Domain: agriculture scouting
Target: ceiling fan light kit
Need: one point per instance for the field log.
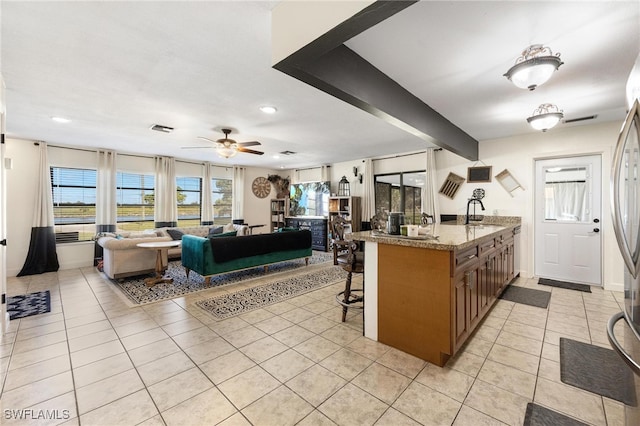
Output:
(534, 67)
(545, 117)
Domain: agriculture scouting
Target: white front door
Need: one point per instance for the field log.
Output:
(568, 214)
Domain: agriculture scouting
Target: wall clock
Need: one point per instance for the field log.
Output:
(261, 187)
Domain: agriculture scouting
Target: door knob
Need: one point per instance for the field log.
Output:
(596, 229)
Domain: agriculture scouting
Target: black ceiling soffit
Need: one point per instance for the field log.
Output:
(328, 65)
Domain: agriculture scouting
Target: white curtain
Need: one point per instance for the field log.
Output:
(566, 201)
(207, 204)
(296, 176)
(166, 196)
(430, 190)
(106, 203)
(369, 195)
(324, 174)
(237, 193)
(42, 256)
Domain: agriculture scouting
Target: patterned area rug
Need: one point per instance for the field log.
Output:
(228, 305)
(138, 292)
(26, 305)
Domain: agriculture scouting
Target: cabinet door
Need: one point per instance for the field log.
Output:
(486, 292)
(460, 317)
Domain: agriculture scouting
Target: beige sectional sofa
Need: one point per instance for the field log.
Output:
(122, 258)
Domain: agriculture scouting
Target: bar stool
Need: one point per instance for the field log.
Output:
(351, 259)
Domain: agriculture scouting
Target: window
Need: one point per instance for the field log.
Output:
(135, 198)
(401, 192)
(189, 200)
(221, 197)
(74, 203)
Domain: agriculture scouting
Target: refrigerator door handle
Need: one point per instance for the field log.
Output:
(618, 158)
(616, 345)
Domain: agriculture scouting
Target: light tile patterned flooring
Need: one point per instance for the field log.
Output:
(106, 362)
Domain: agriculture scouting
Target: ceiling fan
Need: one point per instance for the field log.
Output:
(226, 147)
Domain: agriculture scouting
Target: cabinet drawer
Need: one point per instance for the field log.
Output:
(486, 246)
(465, 257)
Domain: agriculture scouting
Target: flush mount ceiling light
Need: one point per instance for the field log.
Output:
(534, 67)
(268, 109)
(60, 120)
(545, 117)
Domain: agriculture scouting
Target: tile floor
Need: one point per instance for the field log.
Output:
(95, 360)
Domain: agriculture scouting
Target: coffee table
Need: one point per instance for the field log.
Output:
(159, 247)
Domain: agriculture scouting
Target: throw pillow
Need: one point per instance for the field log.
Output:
(224, 234)
(175, 234)
(228, 228)
(216, 230)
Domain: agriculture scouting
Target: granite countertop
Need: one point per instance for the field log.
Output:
(439, 237)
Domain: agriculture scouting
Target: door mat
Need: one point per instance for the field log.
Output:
(526, 296)
(26, 305)
(538, 415)
(240, 302)
(138, 292)
(595, 369)
(565, 284)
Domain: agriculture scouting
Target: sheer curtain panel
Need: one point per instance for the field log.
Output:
(206, 217)
(430, 190)
(237, 194)
(106, 203)
(369, 195)
(166, 196)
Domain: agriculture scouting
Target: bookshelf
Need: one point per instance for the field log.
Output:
(278, 213)
(347, 207)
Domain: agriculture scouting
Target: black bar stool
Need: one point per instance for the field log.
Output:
(351, 259)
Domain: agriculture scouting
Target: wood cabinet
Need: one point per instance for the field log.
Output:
(430, 301)
(347, 207)
(278, 213)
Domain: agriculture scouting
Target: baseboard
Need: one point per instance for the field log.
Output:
(614, 287)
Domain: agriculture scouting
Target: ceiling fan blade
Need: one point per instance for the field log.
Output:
(207, 139)
(250, 143)
(250, 151)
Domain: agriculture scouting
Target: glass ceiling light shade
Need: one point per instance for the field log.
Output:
(227, 149)
(534, 67)
(545, 117)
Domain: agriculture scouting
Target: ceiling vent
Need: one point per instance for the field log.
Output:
(573, 120)
(287, 152)
(160, 128)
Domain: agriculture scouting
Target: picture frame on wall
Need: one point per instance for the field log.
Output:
(479, 174)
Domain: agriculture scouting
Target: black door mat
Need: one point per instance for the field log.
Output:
(26, 305)
(537, 415)
(565, 284)
(526, 296)
(595, 369)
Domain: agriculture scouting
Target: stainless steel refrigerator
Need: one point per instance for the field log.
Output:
(625, 197)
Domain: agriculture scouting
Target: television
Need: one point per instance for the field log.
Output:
(309, 199)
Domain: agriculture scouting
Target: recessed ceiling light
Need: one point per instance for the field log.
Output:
(276, 156)
(60, 120)
(268, 109)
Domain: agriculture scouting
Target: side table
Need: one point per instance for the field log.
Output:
(159, 247)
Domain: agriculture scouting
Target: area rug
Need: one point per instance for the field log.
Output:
(526, 296)
(242, 301)
(26, 305)
(137, 291)
(538, 415)
(596, 369)
(565, 284)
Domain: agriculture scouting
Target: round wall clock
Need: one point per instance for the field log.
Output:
(261, 187)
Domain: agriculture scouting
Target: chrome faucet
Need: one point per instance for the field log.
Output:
(473, 201)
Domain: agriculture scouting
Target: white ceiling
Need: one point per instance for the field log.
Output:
(116, 68)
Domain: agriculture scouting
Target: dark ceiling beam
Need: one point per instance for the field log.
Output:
(328, 65)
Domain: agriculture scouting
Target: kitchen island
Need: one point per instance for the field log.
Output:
(426, 295)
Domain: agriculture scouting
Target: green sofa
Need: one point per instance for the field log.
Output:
(217, 255)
